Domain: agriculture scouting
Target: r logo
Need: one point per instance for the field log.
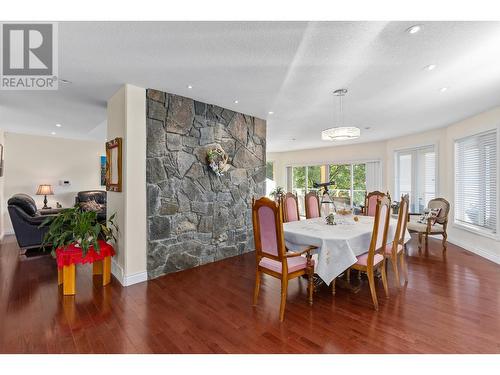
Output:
(27, 49)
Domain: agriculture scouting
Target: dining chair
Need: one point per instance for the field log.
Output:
(396, 249)
(371, 201)
(374, 259)
(312, 205)
(432, 225)
(272, 256)
(290, 205)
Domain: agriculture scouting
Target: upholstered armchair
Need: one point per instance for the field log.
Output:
(312, 205)
(432, 226)
(273, 258)
(371, 200)
(26, 220)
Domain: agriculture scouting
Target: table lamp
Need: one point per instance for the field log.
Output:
(45, 190)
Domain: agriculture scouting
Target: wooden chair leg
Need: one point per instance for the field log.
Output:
(394, 261)
(310, 286)
(333, 285)
(348, 275)
(284, 287)
(445, 236)
(106, 271)
(420, 240)
(257, 288)
(384, 280)
(69, 280)
(371, 281)
(359, 275)
(404, 266)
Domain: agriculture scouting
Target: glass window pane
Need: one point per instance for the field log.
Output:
(299, 186)
(269, 170)
(313, 175)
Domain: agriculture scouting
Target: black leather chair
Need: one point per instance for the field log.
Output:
(26, 220)
(98, 196)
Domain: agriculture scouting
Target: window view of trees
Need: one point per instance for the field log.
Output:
(269, 170)
(349, 182)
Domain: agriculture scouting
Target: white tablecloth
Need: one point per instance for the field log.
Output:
(338, 245)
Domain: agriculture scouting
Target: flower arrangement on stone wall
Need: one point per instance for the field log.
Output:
(217, 160)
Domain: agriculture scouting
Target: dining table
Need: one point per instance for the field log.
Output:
(337, 245)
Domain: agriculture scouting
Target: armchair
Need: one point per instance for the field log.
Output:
(26, 220)
(433, 226)
(97, 196)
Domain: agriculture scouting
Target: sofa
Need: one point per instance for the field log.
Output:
(98, 196)
(26, 220)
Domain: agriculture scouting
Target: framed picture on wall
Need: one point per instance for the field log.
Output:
(103, 170)
(114, 165)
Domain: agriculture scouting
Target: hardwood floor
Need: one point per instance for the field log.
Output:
(451, 305)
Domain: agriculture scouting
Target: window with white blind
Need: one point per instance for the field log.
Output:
(416, 175)
(476, 182)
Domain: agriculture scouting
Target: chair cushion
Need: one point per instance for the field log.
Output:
(422, 228)
(294, 264)
(388, 248)
(363, 259)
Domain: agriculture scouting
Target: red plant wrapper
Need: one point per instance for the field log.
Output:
(73, 255)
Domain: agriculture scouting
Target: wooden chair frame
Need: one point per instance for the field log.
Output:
(282, 256)
(399, 240)
(428, 232)
(283, 205)
(306, 203)
(372, 193)
(370, 268)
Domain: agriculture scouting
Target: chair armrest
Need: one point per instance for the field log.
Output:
(296, 254)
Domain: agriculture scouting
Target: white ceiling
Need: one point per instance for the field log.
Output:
(290, 68)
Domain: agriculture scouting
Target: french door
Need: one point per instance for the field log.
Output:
(416, 176)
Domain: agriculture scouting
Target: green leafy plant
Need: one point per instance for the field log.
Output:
(75, 226)
(277, 192)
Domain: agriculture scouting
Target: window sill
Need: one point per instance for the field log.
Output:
(477, 231)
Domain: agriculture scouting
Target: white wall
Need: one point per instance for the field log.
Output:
(127, 119)
(32, 160)
(443, 139)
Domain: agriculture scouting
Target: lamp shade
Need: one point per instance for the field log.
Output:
(44, 190)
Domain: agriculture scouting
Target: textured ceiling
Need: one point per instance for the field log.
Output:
(290, 68)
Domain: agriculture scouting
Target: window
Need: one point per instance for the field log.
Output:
(270, 183)
(350, 181)
(416, 176)
(476, 182)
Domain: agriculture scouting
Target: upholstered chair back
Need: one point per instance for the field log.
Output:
(442, 204)
(290, 207)
(312, 205)
(268, 229)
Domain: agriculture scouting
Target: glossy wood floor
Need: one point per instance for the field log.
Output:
(451, 305)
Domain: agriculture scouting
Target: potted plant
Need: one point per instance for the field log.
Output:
(74, 226)
(277, 193)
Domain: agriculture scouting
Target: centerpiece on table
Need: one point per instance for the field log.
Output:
(330, 219)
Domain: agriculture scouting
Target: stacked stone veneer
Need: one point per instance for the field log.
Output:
(194, 216)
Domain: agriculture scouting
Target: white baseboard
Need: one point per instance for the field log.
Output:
(477, 250)
(127, 280)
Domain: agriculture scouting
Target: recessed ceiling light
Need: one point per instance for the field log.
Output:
(189, 87)
(414, 29)
(430, 67)
(236, 102)
(58, 125)
(271, 112)
(53, 133)
(443, 89)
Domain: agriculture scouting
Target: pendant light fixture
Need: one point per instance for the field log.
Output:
(341, 132)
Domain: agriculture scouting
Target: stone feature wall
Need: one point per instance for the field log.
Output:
(194, 216)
